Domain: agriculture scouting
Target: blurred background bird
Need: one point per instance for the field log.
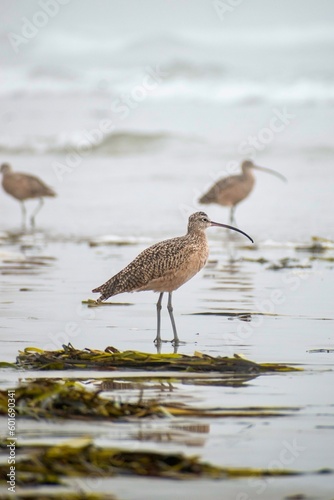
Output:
(230, 191)
(24, 187)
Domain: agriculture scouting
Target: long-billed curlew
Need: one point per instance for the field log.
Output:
(165, 266)
(24, 187)
(231, 190)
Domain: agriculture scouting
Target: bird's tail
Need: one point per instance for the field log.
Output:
(50, 192)
(206, 198)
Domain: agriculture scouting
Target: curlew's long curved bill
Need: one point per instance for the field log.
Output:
(233, 229)
(269, 171)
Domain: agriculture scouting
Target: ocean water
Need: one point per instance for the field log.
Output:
(130, 111)
(117, 144)
(169, 111)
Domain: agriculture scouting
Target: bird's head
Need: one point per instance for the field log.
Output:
(5, 168)
(199, 221)
(247, 164)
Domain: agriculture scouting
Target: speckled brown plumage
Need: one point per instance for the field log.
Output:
(165, 266)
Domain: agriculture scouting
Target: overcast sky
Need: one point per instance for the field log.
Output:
(80, 23)
(116, 18)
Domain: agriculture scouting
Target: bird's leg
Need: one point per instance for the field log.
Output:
(176, 340)
(39, 206)
(232, 218)
(158, 347)
(157, 339)
(176, 347)
(23, 209)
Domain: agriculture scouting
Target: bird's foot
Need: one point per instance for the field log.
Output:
(160, 341)
(178, 342)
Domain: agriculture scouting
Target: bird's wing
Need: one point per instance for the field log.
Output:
(37, 186)
(28, 186)
(157, 261)
(220, 188)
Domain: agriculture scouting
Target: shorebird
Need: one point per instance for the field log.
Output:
(24, 187)
(165, 266)
(231, 190)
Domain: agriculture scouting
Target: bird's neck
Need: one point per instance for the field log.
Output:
(197, 236)
(248, 173)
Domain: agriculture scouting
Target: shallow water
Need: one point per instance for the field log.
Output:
(234, 305)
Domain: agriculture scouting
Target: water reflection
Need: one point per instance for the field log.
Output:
(174, 347)
(230, 284)
(22, 253)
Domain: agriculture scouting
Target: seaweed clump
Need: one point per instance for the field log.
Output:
(111, 359)
(45, 398)
(43, 464)
(67, 399)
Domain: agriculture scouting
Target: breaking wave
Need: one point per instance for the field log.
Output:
(118, 143)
